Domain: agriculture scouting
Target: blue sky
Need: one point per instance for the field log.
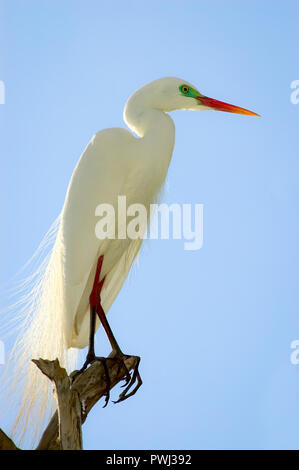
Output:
(213, 327)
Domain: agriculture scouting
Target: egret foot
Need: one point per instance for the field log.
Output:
(90, 358)
(120, 357)
(135, 377)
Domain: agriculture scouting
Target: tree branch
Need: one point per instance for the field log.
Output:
(69, 406)
(76, 400)
(6, 443)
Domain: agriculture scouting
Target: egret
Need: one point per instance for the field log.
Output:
(83, 275)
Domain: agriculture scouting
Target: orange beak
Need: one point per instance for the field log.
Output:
(221, 106)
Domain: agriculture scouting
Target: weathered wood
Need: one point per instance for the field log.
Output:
(89, 387)
(69, 407)
(6, 443)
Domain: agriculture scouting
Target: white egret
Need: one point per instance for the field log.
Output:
(84, 274)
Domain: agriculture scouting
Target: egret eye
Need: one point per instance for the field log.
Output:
(184, 89)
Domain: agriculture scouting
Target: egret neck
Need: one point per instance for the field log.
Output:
(156, 131)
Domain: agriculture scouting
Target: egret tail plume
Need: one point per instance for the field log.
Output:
(37, 317)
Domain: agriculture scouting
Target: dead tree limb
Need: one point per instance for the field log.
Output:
(69, 407)
(76, 401)
(6, 443)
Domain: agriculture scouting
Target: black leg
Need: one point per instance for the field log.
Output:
(91, 357)
(120, 358)
(117, 354)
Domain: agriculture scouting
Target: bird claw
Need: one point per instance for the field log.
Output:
(129, 380)
(120, 358)
(135, 376)
(89, 360)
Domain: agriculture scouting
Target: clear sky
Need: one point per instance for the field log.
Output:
(214, 326)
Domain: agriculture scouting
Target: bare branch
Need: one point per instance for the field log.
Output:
(88, 388)
(6, 443)
(69, 407)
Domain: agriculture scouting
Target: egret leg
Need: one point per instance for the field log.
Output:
(120, 357)
(91, 357)
(117, 354)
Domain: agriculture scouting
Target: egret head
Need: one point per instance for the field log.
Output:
(169, 94)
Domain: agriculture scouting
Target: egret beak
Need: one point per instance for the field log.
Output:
(221, 106)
